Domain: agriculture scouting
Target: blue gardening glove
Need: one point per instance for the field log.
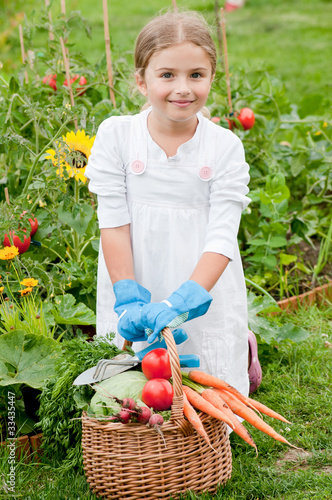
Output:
(187, 302)
(130, 298)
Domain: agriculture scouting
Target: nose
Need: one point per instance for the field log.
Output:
(182, 87)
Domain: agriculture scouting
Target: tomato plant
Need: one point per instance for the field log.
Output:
(156, 364)
(81, 81)
(14, 239)
(158, 394)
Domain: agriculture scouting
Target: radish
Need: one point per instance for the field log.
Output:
(124, 415)
(156, 421)
(144, 414)
(128, 403)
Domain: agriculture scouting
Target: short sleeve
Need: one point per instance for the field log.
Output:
(227, 197)
(107, 175)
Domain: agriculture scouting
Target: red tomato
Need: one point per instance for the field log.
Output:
(81, 81)
(215, 119)
(158, 394)
(17, 242)
(51, 81)
(33, 223)
(156, 364)
(247, 118)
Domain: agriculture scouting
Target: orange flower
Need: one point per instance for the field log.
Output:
(25, 291)
(8, 253)
(2, 289)
(29, 282)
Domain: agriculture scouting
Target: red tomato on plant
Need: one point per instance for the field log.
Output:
(215, 119)
(17, 242)
(156, 364)
(158, 394)
(247, 118)
(81, 81)
(51, 81)
(33, 223)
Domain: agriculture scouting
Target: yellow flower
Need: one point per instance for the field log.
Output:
(72, 154)
(8, 253)
(25, 291)
(318, 132)
(325, 124)
(29, 282)
(2, 289)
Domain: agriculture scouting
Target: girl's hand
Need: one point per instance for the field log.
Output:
(189, 301)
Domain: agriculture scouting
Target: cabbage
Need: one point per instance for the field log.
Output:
(128, 384)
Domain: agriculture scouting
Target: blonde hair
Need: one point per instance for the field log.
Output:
(170, 29)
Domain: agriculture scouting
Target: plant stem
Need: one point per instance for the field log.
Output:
(33, 167)
(259, 288)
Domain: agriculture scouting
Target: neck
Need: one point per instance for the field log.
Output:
(170, 128)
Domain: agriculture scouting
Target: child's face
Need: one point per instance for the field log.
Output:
(177, 82)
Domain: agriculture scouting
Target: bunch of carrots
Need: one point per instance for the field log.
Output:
(215, 397)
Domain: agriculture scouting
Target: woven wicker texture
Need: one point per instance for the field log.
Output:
(131, 462)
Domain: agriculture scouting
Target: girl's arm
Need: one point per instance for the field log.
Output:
(117, 252)
(210, 267)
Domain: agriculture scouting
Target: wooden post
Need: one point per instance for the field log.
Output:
(108, 53)
(228, 83)
(66, 63)
(7, 196)
(175, 7)
(50, 34)
(219, 35)
(63, 7)
(24, 57)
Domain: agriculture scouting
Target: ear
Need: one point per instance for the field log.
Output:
(141, 85)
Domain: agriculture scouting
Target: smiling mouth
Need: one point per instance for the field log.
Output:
(181, 104)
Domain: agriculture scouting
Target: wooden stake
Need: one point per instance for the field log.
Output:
(50, 34)
(108, 53)
(219, 35)
(228, 83)
(24, 57)
(175, 7)
(66, 63)
(7, 196)
(63, 7)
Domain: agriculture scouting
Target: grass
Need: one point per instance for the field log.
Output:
(294, 38)
(297, 382)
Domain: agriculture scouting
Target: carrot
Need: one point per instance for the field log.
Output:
(214, 398)
(194, 419)
(266, 410)
(201, 404)
(211, 381)
(250, 416)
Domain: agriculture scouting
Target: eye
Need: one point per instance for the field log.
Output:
(167, 75)
(196, 75)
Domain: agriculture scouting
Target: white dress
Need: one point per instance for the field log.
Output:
(178, 208)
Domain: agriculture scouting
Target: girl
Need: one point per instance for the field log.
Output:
(171, 187)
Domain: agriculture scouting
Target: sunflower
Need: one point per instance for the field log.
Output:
(8, 253)
(25, 291)
(29, 282)
(73, 154)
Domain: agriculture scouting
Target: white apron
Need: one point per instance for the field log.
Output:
(168, 203)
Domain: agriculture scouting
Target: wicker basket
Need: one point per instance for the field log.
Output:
(131, 462)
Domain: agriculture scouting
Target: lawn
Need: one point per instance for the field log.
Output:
(297, 382)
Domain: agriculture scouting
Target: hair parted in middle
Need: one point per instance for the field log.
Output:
(171, 29)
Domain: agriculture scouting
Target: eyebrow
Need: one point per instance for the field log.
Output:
(192, 70)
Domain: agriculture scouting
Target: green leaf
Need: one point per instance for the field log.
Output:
(286, 259)
(13, 85)
(67, 313)
(26, 358)
(277, 241)
(78, 220)
(291, 332)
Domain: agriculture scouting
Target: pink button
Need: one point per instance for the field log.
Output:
(137, 167)
(205, 173)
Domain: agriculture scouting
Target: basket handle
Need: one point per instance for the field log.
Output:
(177, 406)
